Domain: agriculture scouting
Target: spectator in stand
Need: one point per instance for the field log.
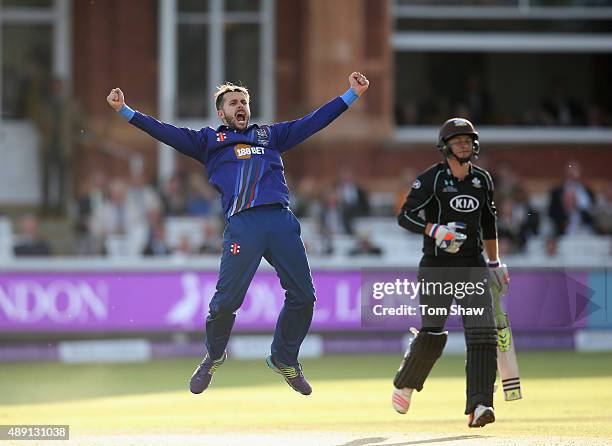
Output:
(330, 213)
(116, 216)
(304, 200)
(184, 248)
(558, 109)
(89, 204)
(506, 181)
(200, 200)
(156, 243)
(571, 205)
(364, 246)
(517, 221)
(29, 242)
(142, 196)
(212, 242)
(603, 210)
(406, 180)
(174, 197)
(329, 221)
(477, 100)
(352, 199)
(597, 116)
(406, 113)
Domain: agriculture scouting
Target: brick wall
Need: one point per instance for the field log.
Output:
(114, 45)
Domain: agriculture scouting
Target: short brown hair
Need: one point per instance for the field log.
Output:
(227, 88)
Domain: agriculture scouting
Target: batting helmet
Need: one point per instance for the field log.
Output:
(455, 127)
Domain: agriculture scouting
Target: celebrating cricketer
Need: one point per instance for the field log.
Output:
(243, 162)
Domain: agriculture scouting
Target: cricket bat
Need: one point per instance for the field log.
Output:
(506, 355)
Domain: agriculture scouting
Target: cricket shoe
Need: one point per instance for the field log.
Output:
(200, 380)
(401, 399)
(481, 416)
(293, 375)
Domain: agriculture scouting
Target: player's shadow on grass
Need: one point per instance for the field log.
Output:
(375, 441)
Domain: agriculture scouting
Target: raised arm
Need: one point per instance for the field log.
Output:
(286, 135)
(187, 141)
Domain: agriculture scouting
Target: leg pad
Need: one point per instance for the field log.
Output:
(481, 366)
(419, 359)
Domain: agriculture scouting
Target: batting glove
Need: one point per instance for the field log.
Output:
(447, 238)
(500, 279)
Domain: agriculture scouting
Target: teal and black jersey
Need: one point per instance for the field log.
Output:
(441, 198)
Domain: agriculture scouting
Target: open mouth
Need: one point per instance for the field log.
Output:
(241, 117)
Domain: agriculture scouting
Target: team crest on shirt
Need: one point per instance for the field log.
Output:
(221, 136)
(244, 151)
(477, 183)
(262, 136)
(234, 248)
(449, 186)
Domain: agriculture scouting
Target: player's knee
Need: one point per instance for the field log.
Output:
(435, 330)
(428, 345)
(305, 306)
(418, 361)
(480, 336)
(223, 307)
(300, 298)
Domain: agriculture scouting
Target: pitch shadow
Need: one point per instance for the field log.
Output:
(370, 441)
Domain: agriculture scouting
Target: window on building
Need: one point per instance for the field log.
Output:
(219, 41)
(26, 68)
(527, 63)
(515, 3)
(33, 51)
(503, 89)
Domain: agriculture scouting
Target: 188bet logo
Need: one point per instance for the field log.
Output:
(244, 151)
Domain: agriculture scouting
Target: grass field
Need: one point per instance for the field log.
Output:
(567, 400)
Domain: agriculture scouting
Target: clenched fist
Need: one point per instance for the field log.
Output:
(359, 83)
(115, 99)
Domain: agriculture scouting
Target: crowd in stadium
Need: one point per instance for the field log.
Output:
(116, 211)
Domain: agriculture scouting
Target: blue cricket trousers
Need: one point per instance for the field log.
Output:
(272, 232)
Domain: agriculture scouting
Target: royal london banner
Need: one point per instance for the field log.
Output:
(178, 301)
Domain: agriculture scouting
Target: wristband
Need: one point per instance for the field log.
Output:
(433, 230)
(127, 112)
(349, 97)
(493, 264)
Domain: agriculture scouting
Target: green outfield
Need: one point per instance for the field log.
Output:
(566, 394)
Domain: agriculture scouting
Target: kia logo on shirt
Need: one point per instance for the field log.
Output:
(464, 203)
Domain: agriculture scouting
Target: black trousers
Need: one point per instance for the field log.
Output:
(464, 281)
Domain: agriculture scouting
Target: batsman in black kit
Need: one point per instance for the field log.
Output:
(455, 198)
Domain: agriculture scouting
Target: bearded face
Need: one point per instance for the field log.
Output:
(235, 112)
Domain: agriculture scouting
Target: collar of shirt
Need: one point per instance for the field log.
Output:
(449, 172)
(224, 128)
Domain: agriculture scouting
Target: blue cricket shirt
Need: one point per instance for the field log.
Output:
(245, 167)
